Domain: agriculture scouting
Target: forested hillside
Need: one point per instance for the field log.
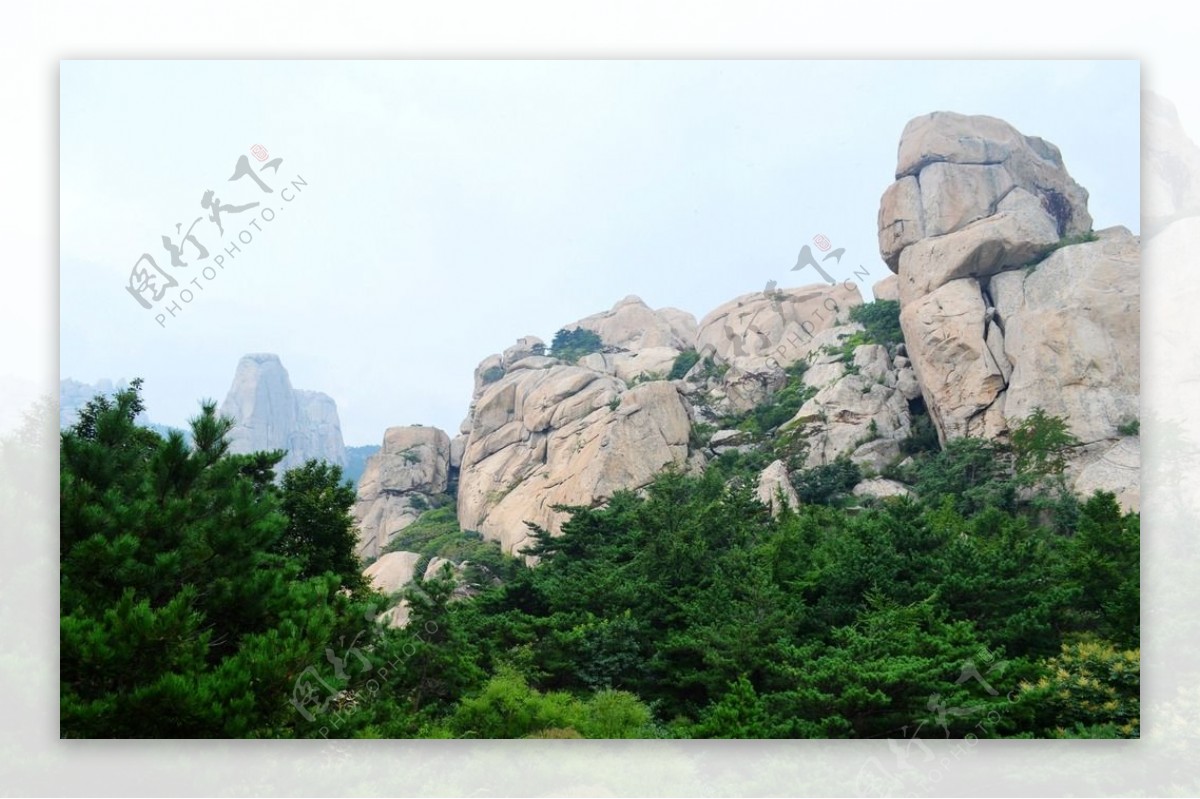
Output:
(202, 599)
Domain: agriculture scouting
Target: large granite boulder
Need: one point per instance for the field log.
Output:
(775, 489)
(399, 483)
(953, 170)
(1071, 332)
(633, 325)
(1009, 301)
(563, 435)
(774, 328)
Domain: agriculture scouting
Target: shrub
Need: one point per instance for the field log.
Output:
(571, 345)
(492, 374)
(1130, 428)
(881, 320)
(1040, 443)
(822, 484)
(683, 364)
(974, 473)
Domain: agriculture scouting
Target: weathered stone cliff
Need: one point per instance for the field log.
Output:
(269, 414)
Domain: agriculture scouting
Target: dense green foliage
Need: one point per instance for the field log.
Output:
(190, 598)
(881, 319)
(571, 345)
(727, 622)
(200, 598)
(683, 364)
(437, 534)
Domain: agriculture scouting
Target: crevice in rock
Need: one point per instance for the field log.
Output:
(995, 207)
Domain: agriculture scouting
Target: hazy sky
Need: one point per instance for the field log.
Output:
(452, 207)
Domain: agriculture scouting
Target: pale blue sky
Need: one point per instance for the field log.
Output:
(452, 207)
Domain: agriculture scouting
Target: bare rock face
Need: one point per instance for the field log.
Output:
(887, 289)
(858, 412)
(269, 414)
(776, 328)
(1018, 233)
(399, 483)
(880, 488)
(954, 170)
(563, 434)
(633, 325)
(775, 489)
(651, 362)
(945, 335)
(1002, 310)
(392, 571)
(1071, 332)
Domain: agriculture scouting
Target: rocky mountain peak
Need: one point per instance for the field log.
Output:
(270, 414)
(1009, 300)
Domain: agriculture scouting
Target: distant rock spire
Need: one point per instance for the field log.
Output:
(269, 414)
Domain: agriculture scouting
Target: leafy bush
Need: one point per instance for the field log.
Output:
(881, 320)
(701, 434)
(972, 472)
(714, 370)
(492, 374)
(437, 534)
(571, 345)
(683, 364)
(508, 707)
(1041, 443)
(821, 485)
(1130, 428)
(1092, 689)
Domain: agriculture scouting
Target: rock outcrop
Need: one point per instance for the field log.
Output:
(269, 414)
(954, 170)
(775, 328)
(859, 410)
(775, 489)
(1009, 301)
(392, 571)
(402, 480)
(632, 325)
(541, 432)
(558, 434)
